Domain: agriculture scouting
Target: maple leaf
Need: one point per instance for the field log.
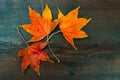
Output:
(70, 25)
(32, 55)
(40, 26)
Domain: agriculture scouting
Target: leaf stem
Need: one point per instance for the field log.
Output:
(48, 38)
(52, 35)
(18, 30)
(58, 60)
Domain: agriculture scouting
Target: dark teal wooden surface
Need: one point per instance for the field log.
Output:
(98, 57)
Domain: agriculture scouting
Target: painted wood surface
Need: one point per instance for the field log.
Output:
(98, 57)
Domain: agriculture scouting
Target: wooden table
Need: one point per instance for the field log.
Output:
(98, 57)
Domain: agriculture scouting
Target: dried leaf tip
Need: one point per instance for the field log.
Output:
(46, 5)
(60, 14)
(51, 61)
(75, 48)
(47, 13)
(38, 71)
(29, 8)
(78, 7)
(89, 19)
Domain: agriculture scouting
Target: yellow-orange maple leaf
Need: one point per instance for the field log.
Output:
(71, 25)
(32, 55)
(40, 26)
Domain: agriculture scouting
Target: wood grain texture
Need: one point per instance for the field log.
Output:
(98, 57)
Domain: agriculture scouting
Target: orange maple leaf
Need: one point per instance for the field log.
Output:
(40, 26)
(71, 25)
(32, 55)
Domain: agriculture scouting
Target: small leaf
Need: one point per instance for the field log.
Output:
(33, 55)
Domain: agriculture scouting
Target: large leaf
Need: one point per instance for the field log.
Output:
(40, 26)
(71, 25)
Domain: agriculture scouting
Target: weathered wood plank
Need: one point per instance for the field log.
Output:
(73, 66)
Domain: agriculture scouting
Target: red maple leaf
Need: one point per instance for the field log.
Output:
(32, 55)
